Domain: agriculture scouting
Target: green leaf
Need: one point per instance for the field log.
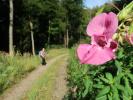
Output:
(125, 12)
(128, 88)
(118, 65)
(110, 97)
(117, 78)
(85, 92)
(104, 79)
(102, 98)
(104, 91)
(109, 77)
(85, 69)
(120, 87)
(131, 28)
(88, 85)
(98, 86)
(115, 93)
(130, 76)
(125, 97)
(120, 53)
(100, 10)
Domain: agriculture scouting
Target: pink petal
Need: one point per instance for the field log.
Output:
(93, 54)
(131, 39)
(99, 40)
(82, 50)
(96, 25)
(113, 45)
(127, 38)
(103, 24)
(111, 25)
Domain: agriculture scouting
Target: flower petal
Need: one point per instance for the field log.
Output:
(93, 54)
(111, 25)
(96, 25)
(113, 45)
(99, 40)
(103, 24)
(131, 39)
(83, 50)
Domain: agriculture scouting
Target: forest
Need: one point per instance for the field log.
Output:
(52, 22)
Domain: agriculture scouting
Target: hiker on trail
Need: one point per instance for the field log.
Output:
(42, 54)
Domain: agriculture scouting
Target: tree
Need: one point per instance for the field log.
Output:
(32, 12)
(32, 36)
(11, 27)
(4, 25)
(65, 25)
(74, 13)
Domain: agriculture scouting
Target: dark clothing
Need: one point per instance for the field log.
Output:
(42, 54)
(43, 61)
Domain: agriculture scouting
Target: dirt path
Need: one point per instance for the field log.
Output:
(61, 83)
(18, 90)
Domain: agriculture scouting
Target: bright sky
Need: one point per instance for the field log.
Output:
(93, 3)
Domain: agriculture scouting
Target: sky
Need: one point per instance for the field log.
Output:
(93, 3)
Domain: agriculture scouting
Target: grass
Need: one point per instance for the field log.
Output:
(43, 88)
(13, 69)
(55, 52)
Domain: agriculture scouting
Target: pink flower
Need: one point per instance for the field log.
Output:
(101, 29)
(129, 38)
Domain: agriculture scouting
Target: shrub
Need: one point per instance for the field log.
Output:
(111, 81)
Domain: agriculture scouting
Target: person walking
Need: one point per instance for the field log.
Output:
(42, 54)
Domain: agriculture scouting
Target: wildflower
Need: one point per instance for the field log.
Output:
(101, 29)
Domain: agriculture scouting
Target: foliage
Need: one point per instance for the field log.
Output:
(111, 81)
(126, 12)
(121, 3)
(50, 19)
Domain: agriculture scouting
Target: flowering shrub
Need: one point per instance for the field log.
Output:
(105, 71)
(110, 81)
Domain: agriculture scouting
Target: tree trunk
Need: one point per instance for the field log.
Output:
(11, 27)
(48, 39)
(32, 38)
(79, 36)
(49, 34)
(67, 34)
(67, 39)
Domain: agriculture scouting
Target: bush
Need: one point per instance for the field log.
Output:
(111, 81)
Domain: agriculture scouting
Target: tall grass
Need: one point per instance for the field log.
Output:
(12, 69)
